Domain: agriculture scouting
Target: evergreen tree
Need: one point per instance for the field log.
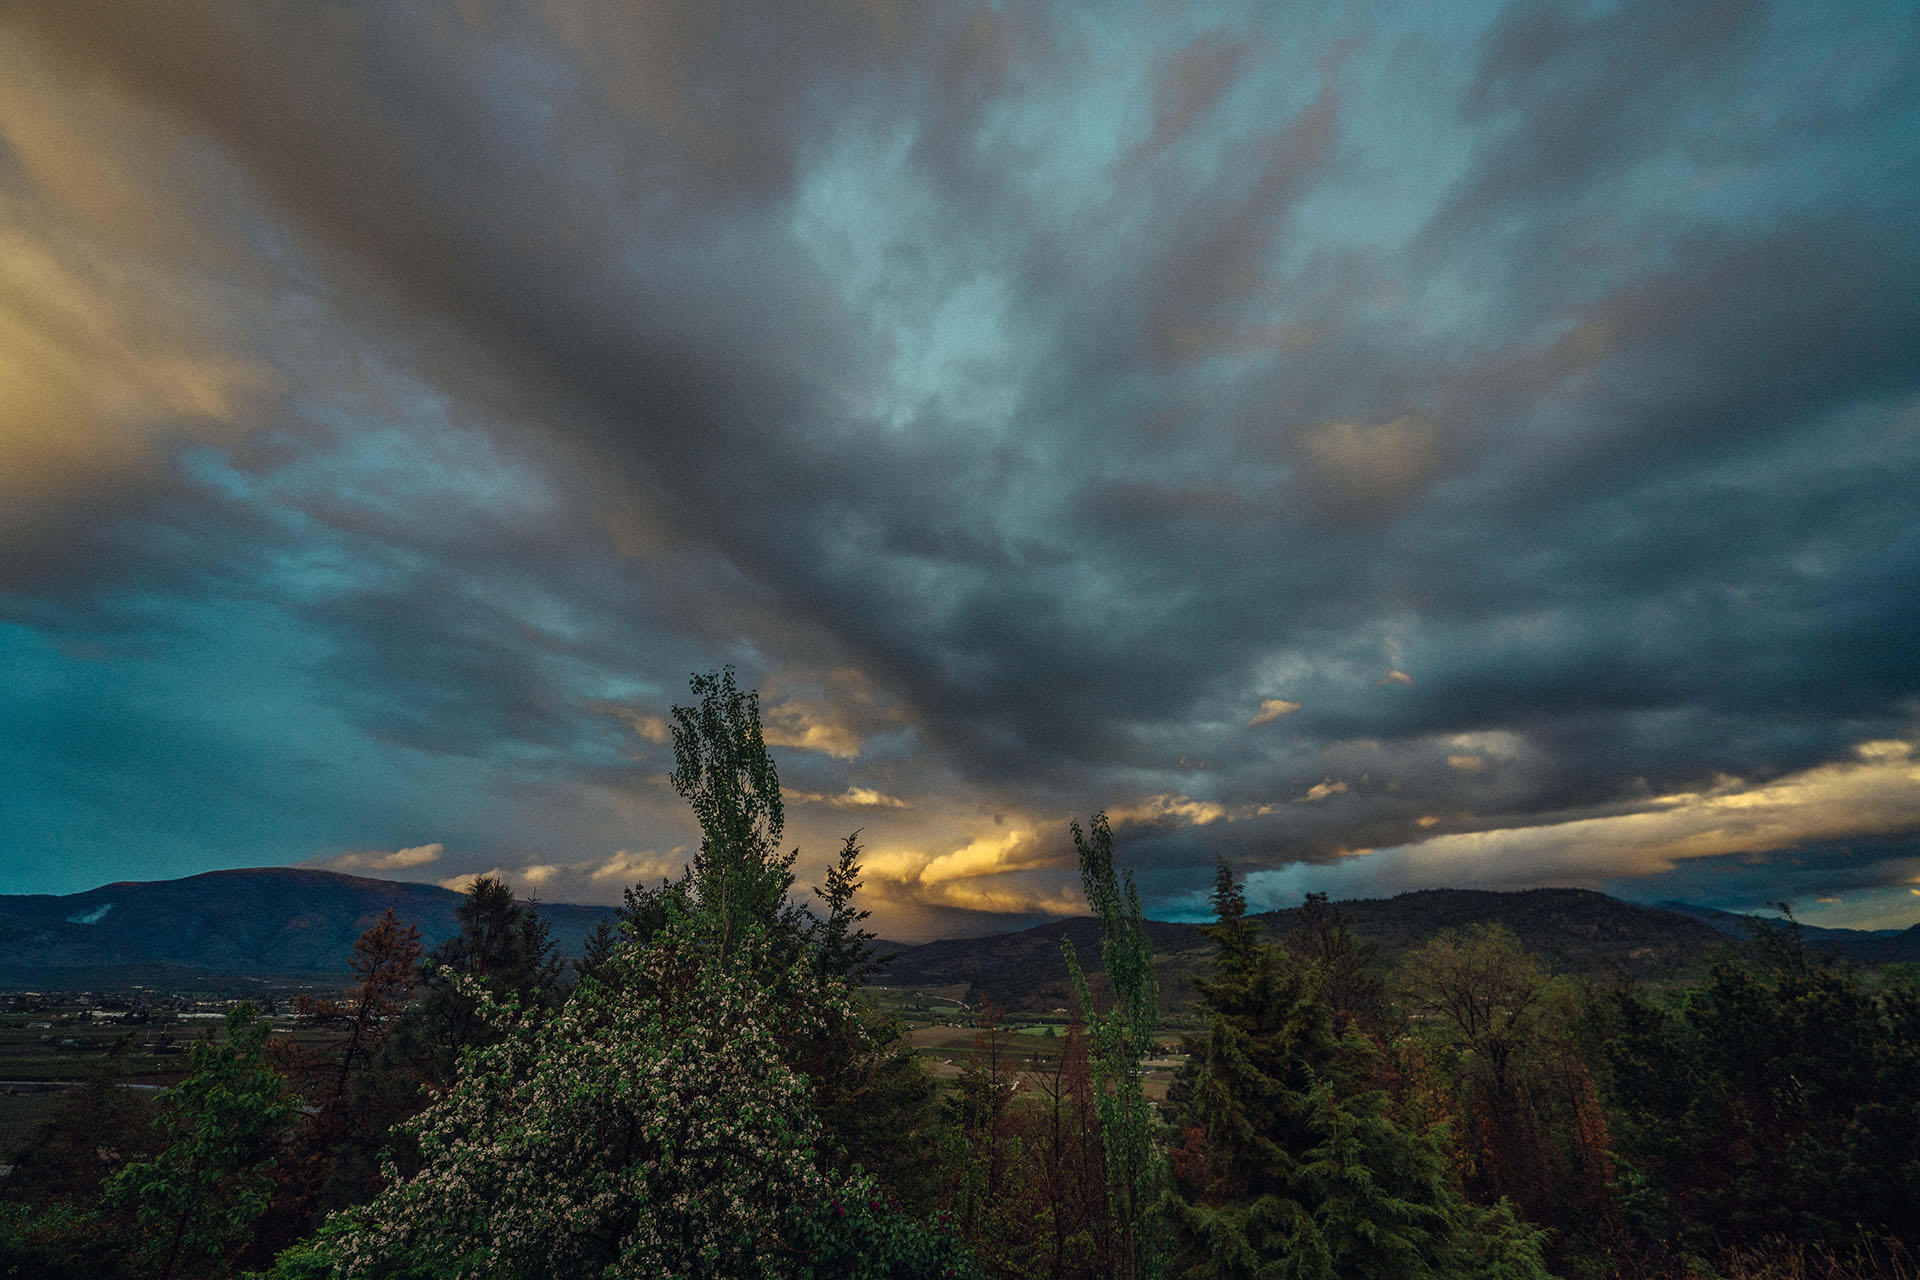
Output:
(1298, 1168)
(1779, 1098)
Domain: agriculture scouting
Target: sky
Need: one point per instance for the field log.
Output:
(1381, 446)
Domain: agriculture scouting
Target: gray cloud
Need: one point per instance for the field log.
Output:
(1031, 401)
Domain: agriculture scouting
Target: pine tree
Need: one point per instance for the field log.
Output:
(1298, 1168)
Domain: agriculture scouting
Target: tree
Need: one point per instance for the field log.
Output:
(650, 1128)
(1295, 1165)
(722, 768)
(1122, 1038)
(1781, 1097)
(221, 1129)
(1354, 989)
(1534, 1130)
(667, 1119)
(331, 1161)
(841, 946)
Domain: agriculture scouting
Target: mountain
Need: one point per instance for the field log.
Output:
(289, 922)
(1862, 946)
(1572, 930)
(262, 922)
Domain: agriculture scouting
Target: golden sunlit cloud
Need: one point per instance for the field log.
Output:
(1395, 676)
(105, 356)
(975, 877)
(811, 726)
(851, 798)
(1272, 709)
(1159, 809)
(1321, 790)
(96, 375)
(1467, 764)
(418, 855)
(1373, 462)
(1875, 794)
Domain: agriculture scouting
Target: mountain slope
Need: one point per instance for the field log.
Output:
(1573, 930)
(262, 921)
(289, 921)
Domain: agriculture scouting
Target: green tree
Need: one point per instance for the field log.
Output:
(1122, 1037)
(670, 1118)
(1781, 1097)
(652, 1127)
(723, 769)
(1296, 1165)
(221, 1128)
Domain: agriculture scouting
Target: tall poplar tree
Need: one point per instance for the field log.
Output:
(1122, 1037)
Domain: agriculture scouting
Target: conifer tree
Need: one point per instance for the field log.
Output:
(1300, 1170)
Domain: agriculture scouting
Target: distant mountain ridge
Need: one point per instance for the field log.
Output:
(259, 922)
(1572, 930)
(294, 922)
(1862, 946)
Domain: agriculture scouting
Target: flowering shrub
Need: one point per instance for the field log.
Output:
(650, 1128)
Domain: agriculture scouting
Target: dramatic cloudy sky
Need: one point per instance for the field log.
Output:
(1383, 445)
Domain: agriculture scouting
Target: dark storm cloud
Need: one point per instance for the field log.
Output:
(1025, 399)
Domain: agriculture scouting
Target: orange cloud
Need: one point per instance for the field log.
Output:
(1373, 462)
(419, 855)
(1875, 794)
(1272, 709)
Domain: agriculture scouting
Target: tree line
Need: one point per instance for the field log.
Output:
(705, 1092)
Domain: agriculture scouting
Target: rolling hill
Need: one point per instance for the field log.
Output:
(288, 922)
(261, 922)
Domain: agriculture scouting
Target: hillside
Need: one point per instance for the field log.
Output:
(298, 922)
(1862, 946)
(267, 921)
(1573, 930)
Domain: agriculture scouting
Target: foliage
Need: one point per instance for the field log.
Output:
(1779, 1098)
(221, 1128)
(1122, 1037)
(695, 1106)
(331, 1157)
(723, 769)
(651, 1127)
(1533, 1129)
(503, 950)
(1295, 1165)
(1354, 987)
(841, 945)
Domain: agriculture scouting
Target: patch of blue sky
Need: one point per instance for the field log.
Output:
(423, 470)
(937, 309)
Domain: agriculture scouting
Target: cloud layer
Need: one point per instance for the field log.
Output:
(1453, 431)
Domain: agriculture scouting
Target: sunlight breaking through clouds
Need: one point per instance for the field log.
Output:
(1305, 431)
